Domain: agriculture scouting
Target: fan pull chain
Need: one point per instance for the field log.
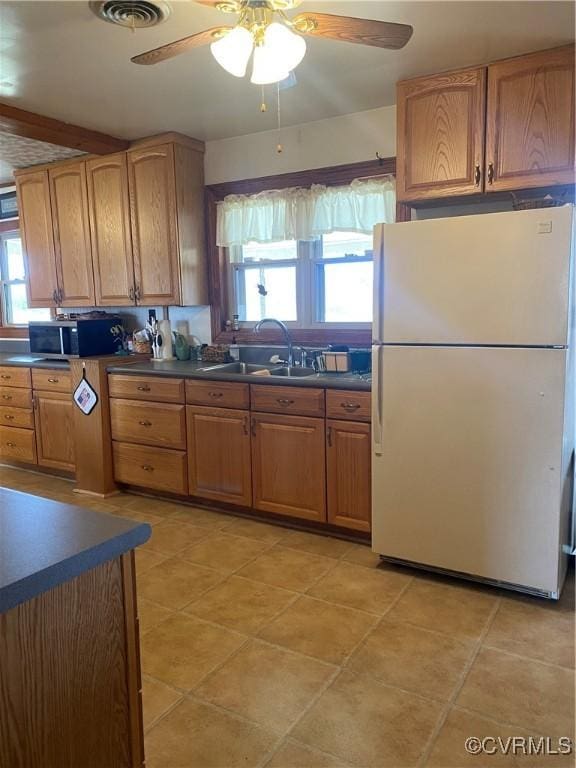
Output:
(279, 146)
(263, 105)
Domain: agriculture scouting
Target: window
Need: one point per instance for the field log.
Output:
(14, 304)
(304, 283)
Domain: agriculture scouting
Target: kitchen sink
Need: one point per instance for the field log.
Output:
(257, 368)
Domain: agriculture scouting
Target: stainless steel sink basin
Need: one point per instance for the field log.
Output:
(255, 368)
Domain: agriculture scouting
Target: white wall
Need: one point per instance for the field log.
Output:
(335, 141)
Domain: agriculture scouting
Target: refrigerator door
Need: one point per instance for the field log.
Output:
(469, 477)
(500, 278)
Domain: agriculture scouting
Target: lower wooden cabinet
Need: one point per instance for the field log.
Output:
(17, 444)
(288, 465)
(348, 458)
(219, 463)
(155, 468)
(54, 430)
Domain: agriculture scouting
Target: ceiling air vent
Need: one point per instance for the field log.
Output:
(135, 14)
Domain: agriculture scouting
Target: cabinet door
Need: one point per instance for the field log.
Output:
(72, 234)
(440, 138)
(109, 215)
(37, 238)
(530, 121)
(154, 224)
(348, 458)
(54, 429)
(288, 465)
(219, 454)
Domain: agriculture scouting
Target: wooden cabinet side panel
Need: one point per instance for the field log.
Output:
(348, 462)
(440, 140)
(530, 120)
(33, 193)
(54, 418)
(109, 215)
(288, 466)
(72, 234)
(189, 170)
(63, 676)
(219, 455)
(153, 217)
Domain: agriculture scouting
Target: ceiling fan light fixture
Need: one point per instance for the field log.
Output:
(278, 54)
(233, 51)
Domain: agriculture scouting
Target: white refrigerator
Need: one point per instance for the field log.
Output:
(473, 396)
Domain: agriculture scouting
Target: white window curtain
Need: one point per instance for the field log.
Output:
(305, 214)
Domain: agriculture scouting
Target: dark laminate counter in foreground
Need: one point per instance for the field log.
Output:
(44, 543)
(190, 370)
(32, 361)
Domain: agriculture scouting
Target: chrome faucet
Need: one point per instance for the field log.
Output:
(285, 331)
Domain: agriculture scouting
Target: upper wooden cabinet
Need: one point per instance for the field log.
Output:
(506, 126)
(117, 230)
(530, 121)
(37, 238)
(71, 230)
(109, 214)
(166, 210)
(440, 134)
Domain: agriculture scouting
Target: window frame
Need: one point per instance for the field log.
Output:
(316, 334)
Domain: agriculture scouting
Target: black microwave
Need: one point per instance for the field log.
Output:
(75, 338)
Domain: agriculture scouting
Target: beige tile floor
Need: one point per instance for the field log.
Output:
(273, 648)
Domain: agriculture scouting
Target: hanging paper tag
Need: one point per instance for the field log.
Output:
(84, 396)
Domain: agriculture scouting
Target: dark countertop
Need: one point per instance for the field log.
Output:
(44, 543)
(32, 361)
(190, 370)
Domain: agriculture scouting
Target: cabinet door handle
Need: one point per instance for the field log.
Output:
(53, 381)
(5, 376)
(8, 417)
(137, 293)
(477, 176)
(143, 388)
(350, 407)
(145, 423)
(55, 296)
(245, 425)
(216, 395)
(147, 468)
(131, 294)
(11, 445)
(329, 437)
(284, 401)
(253, 427)
(490, 174)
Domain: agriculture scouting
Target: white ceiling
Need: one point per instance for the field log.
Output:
(58, 59)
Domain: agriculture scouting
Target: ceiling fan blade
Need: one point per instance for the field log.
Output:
(170, 50)
(382, 34)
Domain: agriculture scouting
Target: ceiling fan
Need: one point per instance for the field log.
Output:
(276, 41)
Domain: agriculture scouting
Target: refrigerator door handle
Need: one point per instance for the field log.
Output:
(377, 400)
(378, 292)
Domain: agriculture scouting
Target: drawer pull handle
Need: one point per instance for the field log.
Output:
(5, 376)
(145, 423)
(147, 468)
(53, 381)
(6, 397)
(351, 407)
(11, 445)
(8, 417)
(144, 388)
(216, 394)
(284, 401)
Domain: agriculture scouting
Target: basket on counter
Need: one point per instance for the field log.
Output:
(218, 353)
(532, 203)
(141, 347)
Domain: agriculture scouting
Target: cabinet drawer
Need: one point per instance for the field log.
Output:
(17, 444)
(296, 400)
(217, 393)
(14, 377)
(17, 398)
(51, 380)
(149, 423)
(146, 388)
(16, 417)
(344, 404)
(157, 468)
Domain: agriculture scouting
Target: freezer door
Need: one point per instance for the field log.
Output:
(469, 474)
(500, 278)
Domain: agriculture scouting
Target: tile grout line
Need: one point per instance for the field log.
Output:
(426, 752)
